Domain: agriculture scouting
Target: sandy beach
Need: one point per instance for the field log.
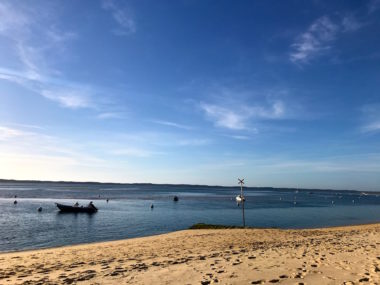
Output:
(342, 255)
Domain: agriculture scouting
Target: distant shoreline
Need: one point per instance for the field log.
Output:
(179, 185)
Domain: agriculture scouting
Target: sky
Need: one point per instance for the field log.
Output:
(281, 93)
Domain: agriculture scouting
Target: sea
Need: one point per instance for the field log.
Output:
(128, 212)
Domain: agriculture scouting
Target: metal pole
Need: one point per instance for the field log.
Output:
(243, 216)
(241, 182)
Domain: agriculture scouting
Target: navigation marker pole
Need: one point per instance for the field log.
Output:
(241, 182)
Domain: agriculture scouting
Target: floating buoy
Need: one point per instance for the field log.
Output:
(175, 199)
(151, 206)
(108, 200)
(15, 202)
(39, 209)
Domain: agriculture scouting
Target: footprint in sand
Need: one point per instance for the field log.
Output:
(258, 282)
(237, 262)
(298, 275)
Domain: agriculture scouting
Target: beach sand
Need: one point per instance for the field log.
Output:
(342, 255)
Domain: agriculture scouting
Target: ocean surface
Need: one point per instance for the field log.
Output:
(128, 213)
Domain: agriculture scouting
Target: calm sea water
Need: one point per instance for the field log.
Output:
(128, 212)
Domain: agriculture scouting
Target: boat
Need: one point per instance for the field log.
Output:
(239, 199)
(77, 209)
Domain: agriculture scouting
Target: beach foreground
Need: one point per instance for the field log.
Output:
(342, 255)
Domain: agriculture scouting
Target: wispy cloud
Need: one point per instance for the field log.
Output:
(172, 124)
(275, 110)
(314, 41)
(193, 142)
(122, 16)
(26, 154)
(12, 21)
(239, 117)
(238, 137)
(320, 36)
(373, 6)
(70, 98)
(34, 40)
(27, 126)
(26, 140)
(68, 95)
(18, 77)
(32, 34)
(7, 133)
(372, 127)
(111, 115)
(371, 113)
(226, 118)
(65, 93)
(351, 24)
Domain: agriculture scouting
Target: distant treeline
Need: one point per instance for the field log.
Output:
(311, 191)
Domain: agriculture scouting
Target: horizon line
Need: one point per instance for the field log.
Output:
(175, 184)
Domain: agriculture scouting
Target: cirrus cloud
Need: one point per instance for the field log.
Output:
(238, 118)
(319, 38)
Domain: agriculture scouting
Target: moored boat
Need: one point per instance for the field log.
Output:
(240, 199)
(77, 209)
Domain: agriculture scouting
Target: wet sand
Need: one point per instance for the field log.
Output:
(343, 255)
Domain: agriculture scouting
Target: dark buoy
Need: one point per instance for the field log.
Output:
(152, 206)
(175, 199)
(108, 200)
(39, 209)
(15, 202)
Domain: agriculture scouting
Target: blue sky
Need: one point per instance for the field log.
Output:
(283, 93)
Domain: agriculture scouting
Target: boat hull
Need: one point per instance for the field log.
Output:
(239, 199)
(72, 209)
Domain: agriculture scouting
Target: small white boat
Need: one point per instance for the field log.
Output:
(239, 199)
